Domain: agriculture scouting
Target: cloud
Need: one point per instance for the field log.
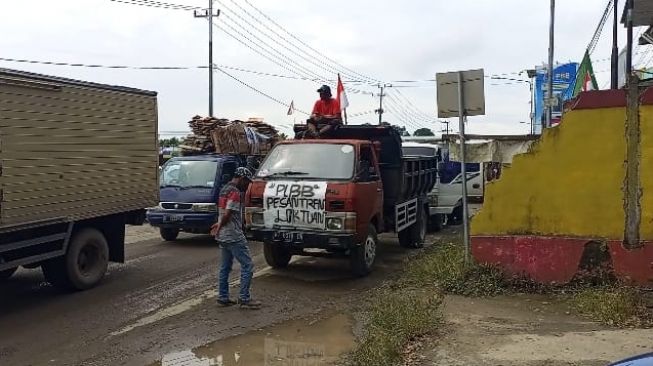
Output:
(385, 40)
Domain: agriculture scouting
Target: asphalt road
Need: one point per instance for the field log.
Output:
(162, 300)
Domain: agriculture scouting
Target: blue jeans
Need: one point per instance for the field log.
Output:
(240, 251)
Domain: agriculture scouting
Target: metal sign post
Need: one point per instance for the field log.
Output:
(462, 94)
(463, 167)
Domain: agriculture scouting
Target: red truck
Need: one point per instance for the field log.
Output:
(337, 194)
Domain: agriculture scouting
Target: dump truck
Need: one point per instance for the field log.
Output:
(333, 196)
(78, 162)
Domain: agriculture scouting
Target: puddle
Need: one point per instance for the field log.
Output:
(293, 343)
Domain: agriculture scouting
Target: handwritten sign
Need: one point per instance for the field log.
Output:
(296, 204)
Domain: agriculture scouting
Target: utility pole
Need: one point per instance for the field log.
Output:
(614, 76)
(549, 92)
(381, 95)
(209, 15)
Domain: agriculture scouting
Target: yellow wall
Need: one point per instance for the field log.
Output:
(646, 115)
(570, 184)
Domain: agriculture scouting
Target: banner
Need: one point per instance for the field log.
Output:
(564, 77)
(295, 204)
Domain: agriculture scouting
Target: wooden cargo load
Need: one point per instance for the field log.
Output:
(73, 150)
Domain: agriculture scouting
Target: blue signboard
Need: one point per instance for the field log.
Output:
(564, 77)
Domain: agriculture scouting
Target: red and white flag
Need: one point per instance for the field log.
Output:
(341, 95)
(291, 107)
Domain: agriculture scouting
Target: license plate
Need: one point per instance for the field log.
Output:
(173, 218)
(289, 237)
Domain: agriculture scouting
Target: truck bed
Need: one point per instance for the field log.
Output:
(74, 150)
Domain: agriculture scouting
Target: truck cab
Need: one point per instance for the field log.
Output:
(335, 195)
(189, 189)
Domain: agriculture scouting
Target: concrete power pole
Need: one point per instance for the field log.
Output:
(381, 95)
(209, 15)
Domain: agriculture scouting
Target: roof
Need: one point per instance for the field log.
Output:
(56, 79)
(642, 13)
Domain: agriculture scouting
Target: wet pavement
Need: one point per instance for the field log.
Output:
(161, 303)
(298, 342)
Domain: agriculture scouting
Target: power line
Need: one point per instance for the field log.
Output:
(287, 45)
(419, 111)
(599, 29)
(260, 92)
(157, 4)
(279, 60)
(307, 45)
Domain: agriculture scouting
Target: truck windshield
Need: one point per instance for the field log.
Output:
(189, 174)
(318, 161)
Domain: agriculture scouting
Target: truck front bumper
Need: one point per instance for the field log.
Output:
(182, 220)
(298, 239)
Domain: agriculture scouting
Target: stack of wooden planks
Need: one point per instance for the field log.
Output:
(223, 136)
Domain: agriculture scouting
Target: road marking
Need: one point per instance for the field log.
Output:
(181, 307)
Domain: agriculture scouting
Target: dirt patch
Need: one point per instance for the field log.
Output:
(527, 330)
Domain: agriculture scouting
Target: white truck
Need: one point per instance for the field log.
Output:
(445, 199)
(78, 162)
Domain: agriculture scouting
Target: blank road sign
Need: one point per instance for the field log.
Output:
(473, 93)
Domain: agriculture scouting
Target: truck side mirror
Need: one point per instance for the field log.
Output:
(363, 171)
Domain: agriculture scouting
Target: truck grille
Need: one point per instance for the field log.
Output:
(176, 206)
(337, 205)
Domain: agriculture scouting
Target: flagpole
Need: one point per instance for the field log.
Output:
(345, 110)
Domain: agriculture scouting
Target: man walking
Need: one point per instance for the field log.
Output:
(228, 231)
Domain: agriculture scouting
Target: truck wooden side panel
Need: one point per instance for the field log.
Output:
(73, 150)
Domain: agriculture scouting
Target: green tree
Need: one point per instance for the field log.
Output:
(423, 132)
(283, 136)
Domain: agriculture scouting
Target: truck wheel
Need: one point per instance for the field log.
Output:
(436, 223)
(456, 217)
(169, 234)
(276, 255)
(413, 236)
(7, 273)
(362, 256)
(84, 264)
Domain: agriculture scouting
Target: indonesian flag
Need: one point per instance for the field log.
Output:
(341, 95)
(291, 107)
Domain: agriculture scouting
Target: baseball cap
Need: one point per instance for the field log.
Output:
(324, 89)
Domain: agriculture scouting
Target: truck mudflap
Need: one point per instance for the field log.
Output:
(305, 239)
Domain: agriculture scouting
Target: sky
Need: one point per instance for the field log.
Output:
(382, 40)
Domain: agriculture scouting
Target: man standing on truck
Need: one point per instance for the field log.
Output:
(326, 114)
(228, 231)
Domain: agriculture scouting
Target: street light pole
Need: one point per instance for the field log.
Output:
(549, 92)
(614, 76)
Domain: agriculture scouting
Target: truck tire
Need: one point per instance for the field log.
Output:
(436, 223)
(84, 264)
(456, 217)
(362, 256)
(169, 234)
(413, 236)
(276, 255)
(4, 275)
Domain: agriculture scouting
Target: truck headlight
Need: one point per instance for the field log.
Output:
(334, 223)
(433, 200)
(205, 207)
(254, 216)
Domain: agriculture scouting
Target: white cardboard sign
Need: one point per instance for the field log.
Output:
(299, 204)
